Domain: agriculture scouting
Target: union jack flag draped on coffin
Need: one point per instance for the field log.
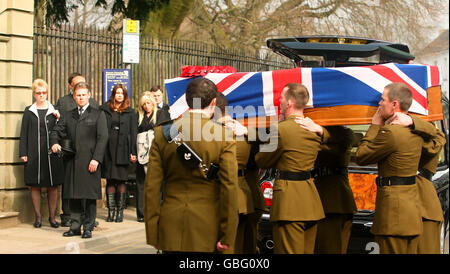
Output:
(258, 93)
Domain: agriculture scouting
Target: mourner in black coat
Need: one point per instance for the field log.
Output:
(41, 169)
(30, 144)
(126, 142)
(120, 151)
(66, 104)
(89, 136)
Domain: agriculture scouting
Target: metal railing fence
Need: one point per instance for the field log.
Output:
(60, 51)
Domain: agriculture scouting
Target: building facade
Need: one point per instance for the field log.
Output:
(436, 53)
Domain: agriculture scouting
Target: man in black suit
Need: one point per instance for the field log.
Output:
(87, 130)
(66, 104)
(163, 108)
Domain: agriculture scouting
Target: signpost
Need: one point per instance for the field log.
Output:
(112, 77)
(130, 53)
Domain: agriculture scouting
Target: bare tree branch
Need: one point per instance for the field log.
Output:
(247, 23)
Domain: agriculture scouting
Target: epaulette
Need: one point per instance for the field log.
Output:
(163, 123)
(169, 131)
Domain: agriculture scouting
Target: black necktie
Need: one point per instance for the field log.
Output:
(80, 111)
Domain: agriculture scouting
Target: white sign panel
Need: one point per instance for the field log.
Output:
(130, 53)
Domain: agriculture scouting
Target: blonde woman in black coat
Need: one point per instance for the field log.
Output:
(148, 116)
(120, 151)
(42, 169)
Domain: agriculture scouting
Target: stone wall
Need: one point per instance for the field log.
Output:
(16, 73)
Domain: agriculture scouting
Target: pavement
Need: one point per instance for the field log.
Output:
(125, 237)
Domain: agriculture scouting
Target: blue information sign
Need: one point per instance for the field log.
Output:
(112, 77)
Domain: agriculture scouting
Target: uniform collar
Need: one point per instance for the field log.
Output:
(204, 115)
(293, 116)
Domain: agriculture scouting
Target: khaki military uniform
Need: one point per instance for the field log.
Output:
(432, 216)
(259, 204)
(296, 205)
(251, 230)
(333, 232)
(398, 220)
(244, 198)
(244, 193)
(195, 212)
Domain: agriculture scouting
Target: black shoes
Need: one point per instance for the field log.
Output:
(140, 219)
(87, 234)
(72, 233)
(54, 225)
(37, 224)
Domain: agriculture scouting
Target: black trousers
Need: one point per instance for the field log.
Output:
(90, 213)
(140, 182)
(65, 206)
(65, 216)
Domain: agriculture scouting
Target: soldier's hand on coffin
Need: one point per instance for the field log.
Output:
(56, 148)
(377, 119)
(309, 125)
(93, 164)
(24, 158)
(400, 118)
(238, 128)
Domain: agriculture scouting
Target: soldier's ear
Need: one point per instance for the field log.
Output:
(396, 105)
(213, 103)
(290, 102)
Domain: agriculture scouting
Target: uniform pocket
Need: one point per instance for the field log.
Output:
(387, 211)
(279, 186)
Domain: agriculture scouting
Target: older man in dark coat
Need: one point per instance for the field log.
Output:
(86, 128)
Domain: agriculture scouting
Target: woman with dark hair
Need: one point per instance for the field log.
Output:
(42, 170)
(120, 151)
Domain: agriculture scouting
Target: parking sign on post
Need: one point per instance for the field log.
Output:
(130, 53)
